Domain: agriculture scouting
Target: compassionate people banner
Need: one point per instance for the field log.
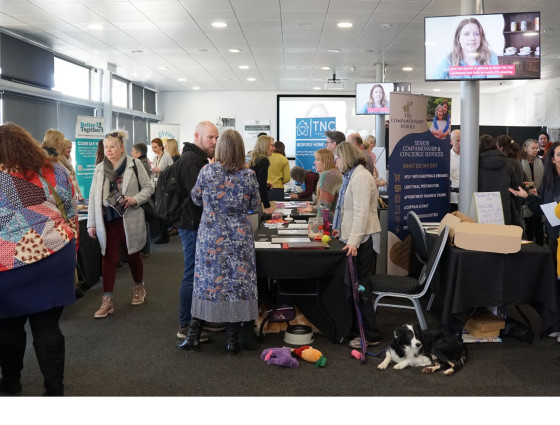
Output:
(89, 131)
(165, 131)
(310, 136)
(419, 147)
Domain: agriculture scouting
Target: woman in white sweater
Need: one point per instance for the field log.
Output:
(356, 223)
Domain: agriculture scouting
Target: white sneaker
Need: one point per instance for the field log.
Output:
(558, 338)
(554, 335)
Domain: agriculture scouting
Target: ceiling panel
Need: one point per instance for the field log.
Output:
(284, 42)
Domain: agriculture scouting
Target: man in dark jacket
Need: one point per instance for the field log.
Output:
(194, 157)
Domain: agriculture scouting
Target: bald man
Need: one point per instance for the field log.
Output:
(195, 156)
(357, 141)
(454, 168)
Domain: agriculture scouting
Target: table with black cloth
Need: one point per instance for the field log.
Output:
(471, 279)
(89, 256)
(302, 267)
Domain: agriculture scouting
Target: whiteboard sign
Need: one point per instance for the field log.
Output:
(489, 207)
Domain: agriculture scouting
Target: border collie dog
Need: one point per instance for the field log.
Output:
(431, 350)
(447, 352)
(405, 349)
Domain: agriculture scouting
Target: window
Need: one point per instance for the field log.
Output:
(120, 93)
(71, 79)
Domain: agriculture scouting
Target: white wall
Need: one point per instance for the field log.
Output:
(189, 108)
(520, 104)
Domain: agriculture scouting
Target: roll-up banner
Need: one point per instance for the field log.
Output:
(89, 131)
(418, 176)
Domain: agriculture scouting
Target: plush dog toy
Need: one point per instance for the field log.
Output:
(279, 356)
(310, 354)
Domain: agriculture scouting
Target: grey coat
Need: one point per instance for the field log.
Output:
(133, 219)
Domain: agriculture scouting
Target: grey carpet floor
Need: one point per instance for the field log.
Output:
(132, 353)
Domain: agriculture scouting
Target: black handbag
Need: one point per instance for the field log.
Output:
(148, 207)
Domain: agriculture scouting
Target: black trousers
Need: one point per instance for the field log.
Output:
(48, 343)
(364, 264)
(534, 229)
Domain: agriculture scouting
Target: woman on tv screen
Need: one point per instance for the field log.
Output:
(377, 99)
(470, 48)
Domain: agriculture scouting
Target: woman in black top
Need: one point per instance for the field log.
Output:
(259, 164)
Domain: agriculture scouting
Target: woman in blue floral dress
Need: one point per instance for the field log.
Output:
(225, 278)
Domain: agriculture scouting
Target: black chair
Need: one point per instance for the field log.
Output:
(408, 287)
(420, 245)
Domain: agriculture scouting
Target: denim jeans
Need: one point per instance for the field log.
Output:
(188, 239)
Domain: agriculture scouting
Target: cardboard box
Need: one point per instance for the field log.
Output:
(485, 321)
(498, 238)
(481, 334)
(452, 221)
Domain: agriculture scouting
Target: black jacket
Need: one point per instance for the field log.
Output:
(191, 162)
(497, 174)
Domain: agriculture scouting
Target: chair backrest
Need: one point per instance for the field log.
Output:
(434, 258)
(418, 235)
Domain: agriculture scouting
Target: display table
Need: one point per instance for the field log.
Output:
(470, 279)
(302, 268)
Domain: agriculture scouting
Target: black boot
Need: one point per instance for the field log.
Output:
(163, 238)
(11, 362)
(232, 338)
(248, 337)
(50, 355)
(192, 341)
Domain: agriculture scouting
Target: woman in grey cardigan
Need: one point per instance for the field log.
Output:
(533, 170)
(116, 218)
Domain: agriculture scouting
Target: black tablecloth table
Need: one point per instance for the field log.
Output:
(302, 267)
(470, 279)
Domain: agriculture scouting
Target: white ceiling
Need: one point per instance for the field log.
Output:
(285, 43)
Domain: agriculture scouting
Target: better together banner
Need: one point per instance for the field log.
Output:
(89, 131)
(419, 146)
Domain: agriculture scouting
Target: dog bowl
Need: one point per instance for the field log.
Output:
(298, 335)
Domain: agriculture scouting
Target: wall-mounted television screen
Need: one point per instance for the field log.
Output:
(374, 98)
(493, 46)
(24, 62)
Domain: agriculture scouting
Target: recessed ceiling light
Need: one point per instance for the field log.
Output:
(181, 79)
(234, 50)
(196, 88)
(326, 67)
(163, 68)
(345, 25)
(548, 29)
(316, 88)
(303, 24)
(251, 79)
(334, 50)
(95, 26)
(387, 25)
(201, 50)
(136, 51)
(243, 66)
(437, 89)
(219, 24)
(407, 68)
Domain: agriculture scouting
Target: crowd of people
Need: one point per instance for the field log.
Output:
(218, 187)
